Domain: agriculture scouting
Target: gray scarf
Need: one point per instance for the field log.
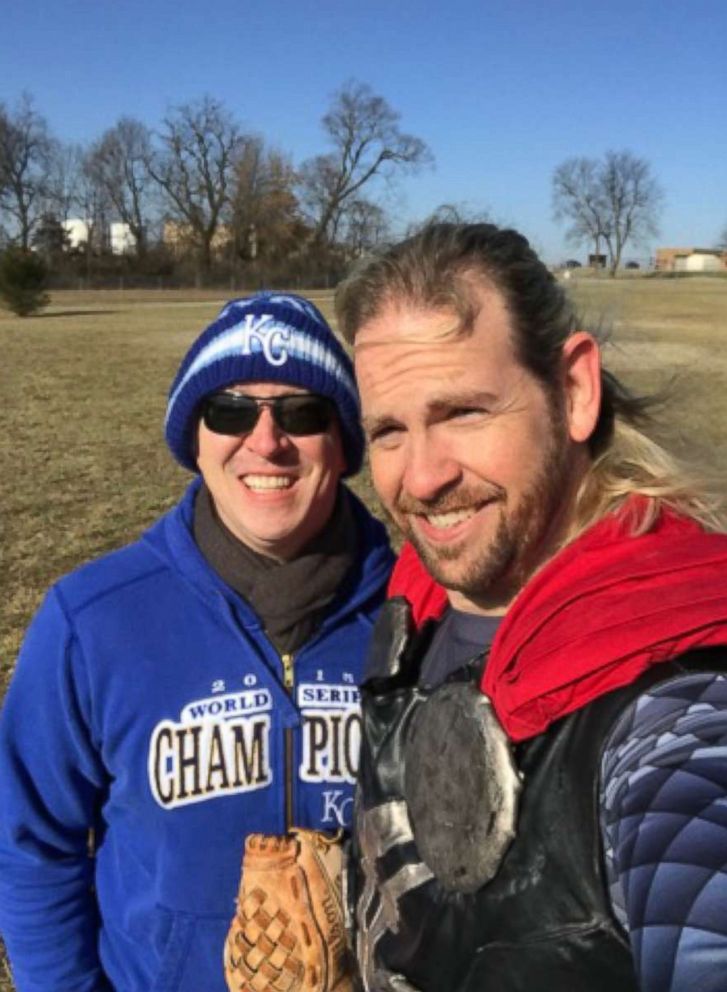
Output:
(290, 597)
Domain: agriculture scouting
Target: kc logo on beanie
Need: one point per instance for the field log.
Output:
(265, 333)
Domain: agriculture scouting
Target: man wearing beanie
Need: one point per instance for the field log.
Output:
(194, 695)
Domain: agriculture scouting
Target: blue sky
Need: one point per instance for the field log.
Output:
(502, 92)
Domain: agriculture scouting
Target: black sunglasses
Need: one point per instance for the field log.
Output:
(296, 414)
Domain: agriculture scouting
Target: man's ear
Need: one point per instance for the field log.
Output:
(582, 383)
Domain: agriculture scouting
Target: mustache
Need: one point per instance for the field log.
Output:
(459, 498)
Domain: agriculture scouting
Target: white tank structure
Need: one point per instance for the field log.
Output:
(123, 241)
(76, 231)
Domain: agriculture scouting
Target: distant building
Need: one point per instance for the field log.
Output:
(691, 260)
(597, 261)
(123, 241)
(175, 236)
(76, 231)
(179, 237)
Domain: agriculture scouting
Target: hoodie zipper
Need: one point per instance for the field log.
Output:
(289, 683)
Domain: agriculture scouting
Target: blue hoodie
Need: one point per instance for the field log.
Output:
(149, 706)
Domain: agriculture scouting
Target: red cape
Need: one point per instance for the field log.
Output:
(595, 617)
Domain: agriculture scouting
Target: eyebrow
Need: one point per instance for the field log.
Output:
(435, 404)
(371, 424)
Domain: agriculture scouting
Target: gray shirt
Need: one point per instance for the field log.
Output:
(459, 638)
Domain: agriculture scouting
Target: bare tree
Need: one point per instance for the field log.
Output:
(65, 176)
(94, 206)
(365, 226)
(265, 213)
(578, 198)
(4, 178)
(119, 164)
(633, 198)
(194, 168)
(72, 190)
(367, 144)
(615, 199)
(25, 151)
(722, 240)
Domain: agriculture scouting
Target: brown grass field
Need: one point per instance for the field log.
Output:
(84, 467)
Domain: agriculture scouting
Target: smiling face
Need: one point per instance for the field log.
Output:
(272, 490)
(474, 461)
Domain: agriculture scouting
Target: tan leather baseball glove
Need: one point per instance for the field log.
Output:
(288, 934)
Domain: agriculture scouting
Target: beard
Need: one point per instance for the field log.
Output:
(520, 542)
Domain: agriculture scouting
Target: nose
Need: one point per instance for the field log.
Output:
(266, 438)
(430, 469)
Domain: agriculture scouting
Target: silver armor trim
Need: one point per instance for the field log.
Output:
(379, 830)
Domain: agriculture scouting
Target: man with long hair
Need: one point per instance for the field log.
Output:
(543, 774)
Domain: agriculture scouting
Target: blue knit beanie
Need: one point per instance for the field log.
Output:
(271, 337)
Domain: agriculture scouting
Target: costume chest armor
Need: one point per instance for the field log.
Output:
(544, 921)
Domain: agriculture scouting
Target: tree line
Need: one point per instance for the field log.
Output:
(202, 199)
